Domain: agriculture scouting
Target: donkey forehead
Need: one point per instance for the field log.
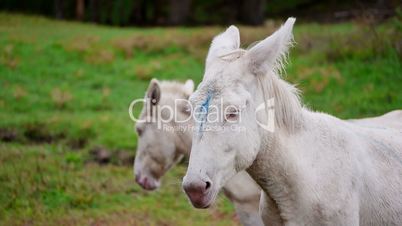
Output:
(222, 79)
(216, 90)
(224, 70)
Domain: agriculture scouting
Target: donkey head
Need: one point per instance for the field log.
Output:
(231, 86)
(158, 147)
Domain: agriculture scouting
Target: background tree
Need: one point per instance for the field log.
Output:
(202, 12)
(59, 9)
(252, 11)
(80, 9)
(178, 11)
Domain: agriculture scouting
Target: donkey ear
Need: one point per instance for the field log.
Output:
(270, 53)
(224, 43)
(154, 92)
(189, 86)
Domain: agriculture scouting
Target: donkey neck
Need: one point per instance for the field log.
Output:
(275, 171)
(289, 120)
(275, 167)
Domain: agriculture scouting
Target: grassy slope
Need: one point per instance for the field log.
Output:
(68, 81)
(45, 186)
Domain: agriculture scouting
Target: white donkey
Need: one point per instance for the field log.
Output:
(159, 148)
(156, 156)
(314, 169)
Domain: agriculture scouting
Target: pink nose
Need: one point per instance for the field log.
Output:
(145, 183)
(197, 192)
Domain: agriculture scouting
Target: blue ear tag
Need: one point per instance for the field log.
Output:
(204, 113)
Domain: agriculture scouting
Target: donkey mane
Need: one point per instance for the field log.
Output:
(287, 101)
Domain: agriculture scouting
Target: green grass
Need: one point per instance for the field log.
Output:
(48, 185)
(61, 82)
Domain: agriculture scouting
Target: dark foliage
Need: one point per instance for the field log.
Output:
(197, 12)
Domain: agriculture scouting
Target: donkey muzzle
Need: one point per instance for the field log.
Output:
(198, 191)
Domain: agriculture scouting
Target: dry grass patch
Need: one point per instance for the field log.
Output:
(81, 43)
(195, 42)
(60, 97)
(319, 77)
(147, 71)
(8, 57)
(100, 56)
(19, 92)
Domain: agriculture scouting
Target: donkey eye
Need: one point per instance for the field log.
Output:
(231, 116)
(187, 110)
(139, 131)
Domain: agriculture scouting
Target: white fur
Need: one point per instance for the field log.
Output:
(168, 147)
(314, 169)
(223, 44)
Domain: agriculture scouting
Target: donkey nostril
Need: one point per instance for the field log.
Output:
(208, 185)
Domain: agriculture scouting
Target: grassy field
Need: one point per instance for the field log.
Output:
(65, 89)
